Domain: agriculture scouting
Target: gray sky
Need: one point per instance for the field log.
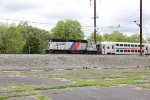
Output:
(112, 13)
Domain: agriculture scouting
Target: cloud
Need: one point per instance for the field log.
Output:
(110, 12)
(18, 5)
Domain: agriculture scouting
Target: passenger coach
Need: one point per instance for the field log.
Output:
(123, 48)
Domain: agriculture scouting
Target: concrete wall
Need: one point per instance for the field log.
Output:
(53, 61)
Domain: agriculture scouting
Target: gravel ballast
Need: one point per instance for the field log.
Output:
(70, 61)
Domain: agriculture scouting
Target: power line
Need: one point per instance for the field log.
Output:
(16, 20)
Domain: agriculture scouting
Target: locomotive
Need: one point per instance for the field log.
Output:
(71, 46)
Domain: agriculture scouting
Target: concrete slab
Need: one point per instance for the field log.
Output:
(99, 93)
(37, 81)
(13, 93)
(24, 98)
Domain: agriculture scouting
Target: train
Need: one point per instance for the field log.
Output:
(73, 46)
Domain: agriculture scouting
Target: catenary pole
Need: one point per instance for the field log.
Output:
(95, 21)
(141, 51)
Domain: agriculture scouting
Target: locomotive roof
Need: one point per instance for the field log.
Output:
(66, 40)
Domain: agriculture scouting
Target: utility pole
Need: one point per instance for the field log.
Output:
(141, 51)
(95, 21)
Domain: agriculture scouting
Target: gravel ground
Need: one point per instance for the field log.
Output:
(99, 93)
(55, 61)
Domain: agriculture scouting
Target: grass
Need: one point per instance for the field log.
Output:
(105, 78)
(29, 90)
(16, 95)
(101, 79)
(41, 97)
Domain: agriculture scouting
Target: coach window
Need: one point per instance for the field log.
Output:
(132, 50)
(121, 44)
(142, 45)
(128, 45)
(139, 51)
(125, 45)
(117, 50)
(125, 50)
(135, 45)
(138, 45)
(128, 50)
(136, 51)
(107, 47)
(132, 45)
(121, 50)
(117, 44)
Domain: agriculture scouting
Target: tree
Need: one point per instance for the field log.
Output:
(135, 38)
(42, 35)
(148, 40)
(68, 29)
(99, 38)
(32, 44)
(11, 39)
(115, 37)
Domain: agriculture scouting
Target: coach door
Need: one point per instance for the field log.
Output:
(148, 50)
(107, 49)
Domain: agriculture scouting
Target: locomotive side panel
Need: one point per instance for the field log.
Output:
(67, 45)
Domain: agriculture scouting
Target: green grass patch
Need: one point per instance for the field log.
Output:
(41, 97)
(102, 78)
(16, 95)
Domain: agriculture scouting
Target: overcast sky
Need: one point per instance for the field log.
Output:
(111, 13)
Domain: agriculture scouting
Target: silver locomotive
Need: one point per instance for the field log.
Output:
(71, 46)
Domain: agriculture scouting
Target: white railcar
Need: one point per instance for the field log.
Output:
(123, 48)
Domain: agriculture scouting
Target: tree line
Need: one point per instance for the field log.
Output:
(24, 38)
(117, 36)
